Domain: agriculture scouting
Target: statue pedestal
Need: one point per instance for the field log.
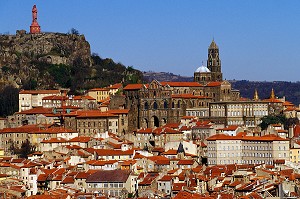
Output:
(35, 28)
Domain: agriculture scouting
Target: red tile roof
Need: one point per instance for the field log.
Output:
(213, 84)
(244, 138)
(54, 140)
(187, 195)
(273, 100)
(23, 129)
(133, 87)
(55, 97)
(112, 152)
(148, 179)
(39, 92)
(230, 128)
(145, 131)
(81, 139)
(166, 178)
(190, 96)
(115, 86)
(108, 176)
(83, 97)
(93, 114)
(185, 162)
(118, 111)
(182, 84)
(37, 110)
(99, 89)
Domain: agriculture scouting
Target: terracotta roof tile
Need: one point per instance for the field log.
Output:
(182, 84)
(108, 176)
(133, 87)
(213, 84)
(39, 92)
(189, 96)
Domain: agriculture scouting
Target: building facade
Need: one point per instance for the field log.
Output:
(29, 99)
(157, 103)
(243, 149)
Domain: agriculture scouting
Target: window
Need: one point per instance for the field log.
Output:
(146, 106)
(154, 105)
(165, 104)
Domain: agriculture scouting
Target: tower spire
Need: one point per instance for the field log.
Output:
(214, 62)
(255, 98)
(272, 94)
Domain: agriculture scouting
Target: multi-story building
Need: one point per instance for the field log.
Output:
(91, 122)
(295, 151)
(113, 183)
(243, 149)
(83, 102)
(29, 99)
(100, 94)
(247, 113)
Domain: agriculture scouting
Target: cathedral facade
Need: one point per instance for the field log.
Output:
(158, 103)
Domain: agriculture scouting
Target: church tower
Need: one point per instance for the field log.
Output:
(214, 62)
(35, 27)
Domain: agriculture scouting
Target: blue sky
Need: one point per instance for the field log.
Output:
(258, 40)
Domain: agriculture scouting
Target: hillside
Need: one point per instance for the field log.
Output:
(165, 76)
(54, 61)
(291, 90)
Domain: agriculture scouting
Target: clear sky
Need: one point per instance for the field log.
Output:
(258, 39)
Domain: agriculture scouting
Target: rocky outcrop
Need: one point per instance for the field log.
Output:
(19, 52)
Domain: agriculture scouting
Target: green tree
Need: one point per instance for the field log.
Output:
(23, 152)
(74, 31)
(26, 149)
(272, 119)
(9, 98)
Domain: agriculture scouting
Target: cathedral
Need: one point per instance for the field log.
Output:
(158, 103)
(212, 72)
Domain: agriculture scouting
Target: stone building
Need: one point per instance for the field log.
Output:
(157, 103)
(243, 149)
(247, 113)
(91, 122)
(29, 99)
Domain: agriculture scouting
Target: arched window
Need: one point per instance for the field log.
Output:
(165, 104)
(154, 105)
(146, 106)
(178, 105)
(173, 105)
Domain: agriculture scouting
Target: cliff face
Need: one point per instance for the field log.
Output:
(19, 52)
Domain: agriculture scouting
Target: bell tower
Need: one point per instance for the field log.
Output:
(35, 27)
(214, 62)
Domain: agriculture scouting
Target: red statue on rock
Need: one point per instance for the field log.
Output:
(35, 27)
